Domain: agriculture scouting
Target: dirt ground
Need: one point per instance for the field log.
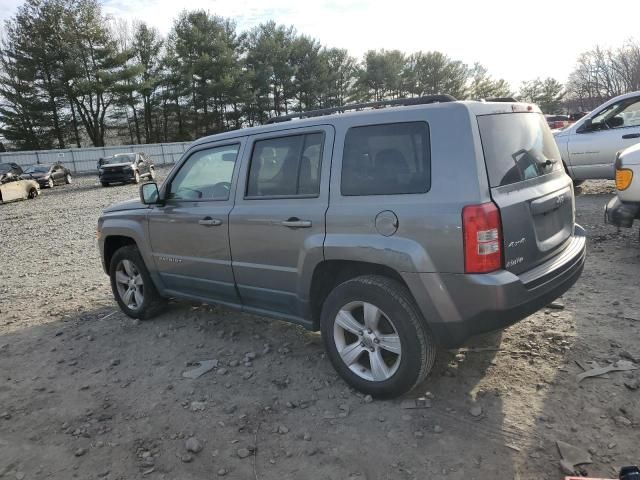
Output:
(86, 392)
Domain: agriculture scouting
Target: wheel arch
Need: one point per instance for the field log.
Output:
(112, 244)
(328, 274)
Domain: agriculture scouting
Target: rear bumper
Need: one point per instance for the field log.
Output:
(458, 306)
(621, 214)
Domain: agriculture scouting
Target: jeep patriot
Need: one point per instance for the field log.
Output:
(392, 230)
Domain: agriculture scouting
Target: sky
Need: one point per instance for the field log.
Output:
(516, 40)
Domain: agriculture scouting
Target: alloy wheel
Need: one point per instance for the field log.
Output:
(367, 341)
(130, 284)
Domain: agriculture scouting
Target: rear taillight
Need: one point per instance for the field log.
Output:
(482, 231)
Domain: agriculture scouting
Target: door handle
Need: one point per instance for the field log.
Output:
(210, 222)
(295, 222)
(631, 135)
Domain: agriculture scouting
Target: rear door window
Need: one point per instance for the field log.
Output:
(388, 159)
(517, 147)
(286, 166)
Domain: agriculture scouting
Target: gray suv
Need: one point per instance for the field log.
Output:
(392, 230)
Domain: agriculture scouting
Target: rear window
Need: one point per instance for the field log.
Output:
(517, 147)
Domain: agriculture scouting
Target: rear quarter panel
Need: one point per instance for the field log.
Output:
(429, 234)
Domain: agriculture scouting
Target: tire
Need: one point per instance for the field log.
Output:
(144, 302)
(50, 183)
(33, 193)
(68, 179)
(399, 321)
(136, 177)
(104, 184)
(152, 173)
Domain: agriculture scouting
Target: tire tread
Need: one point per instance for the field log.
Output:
(402, 296)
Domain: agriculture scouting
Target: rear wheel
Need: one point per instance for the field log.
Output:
(375, 336)
(152, 173)
(136, 177)
(132, 285)
(68, 179)
(104, 184)
(33, 193)
(50, 183)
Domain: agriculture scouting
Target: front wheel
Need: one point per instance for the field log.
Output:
(104, 184)
(33, 193)
(152, 173)
(132, 285)
(68, 179)
(136, 177)
(50, 183)
(375, 336)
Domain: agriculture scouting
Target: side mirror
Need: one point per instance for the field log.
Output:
(149, 194)
(616, 122)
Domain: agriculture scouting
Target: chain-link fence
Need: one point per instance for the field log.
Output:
(84, 160)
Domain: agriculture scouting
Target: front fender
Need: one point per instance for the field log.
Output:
(133, 226)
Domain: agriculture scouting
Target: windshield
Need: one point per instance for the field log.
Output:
(37, 169)
(124, 158)
(517, 147)
(4, 167)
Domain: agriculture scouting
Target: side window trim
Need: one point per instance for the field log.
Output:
(273, 136)
(166, 187)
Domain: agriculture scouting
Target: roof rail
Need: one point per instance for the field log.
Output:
(357, 106)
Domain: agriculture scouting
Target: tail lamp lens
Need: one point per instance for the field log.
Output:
(482, 230)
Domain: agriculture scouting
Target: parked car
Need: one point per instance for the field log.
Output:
(557, 121)
(624, 208)
(125, 168)
(589, 146)
(8, 170)
(391, 230)
(48, 175)
(574, 117)
(13, 188)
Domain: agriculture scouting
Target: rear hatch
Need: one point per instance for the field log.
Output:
(529, 187)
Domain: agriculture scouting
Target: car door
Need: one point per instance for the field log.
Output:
(57, 173)
(592, 149)
(277, 226)
(142, 165)
(189, 234)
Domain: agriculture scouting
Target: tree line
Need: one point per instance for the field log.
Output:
(71, 76)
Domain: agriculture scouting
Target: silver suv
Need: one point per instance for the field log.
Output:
(391, 230)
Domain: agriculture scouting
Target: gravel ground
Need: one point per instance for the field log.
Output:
(88, 393)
